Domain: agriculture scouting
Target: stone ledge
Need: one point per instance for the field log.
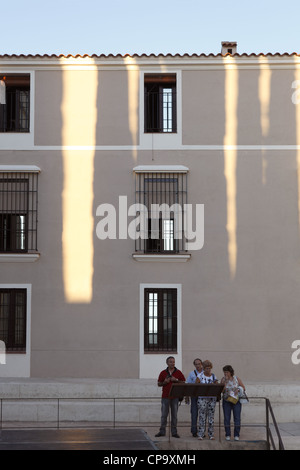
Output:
(106, 388)
(131, 394)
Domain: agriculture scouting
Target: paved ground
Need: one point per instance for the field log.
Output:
(129, 439)
(251, 437)
(290, 433)
(75, 439)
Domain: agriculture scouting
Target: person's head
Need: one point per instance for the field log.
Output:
(207, 367)
(228, 371)
(170, 362)
(198, 364)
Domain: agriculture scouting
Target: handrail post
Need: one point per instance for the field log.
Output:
(114, 413)
(58, 413)
(169, 419)
(267, 423)
(220, 420)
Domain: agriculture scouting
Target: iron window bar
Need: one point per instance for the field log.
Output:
(161, 198)
(18, 212)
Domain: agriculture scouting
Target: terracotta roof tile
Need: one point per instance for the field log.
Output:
(76, 56)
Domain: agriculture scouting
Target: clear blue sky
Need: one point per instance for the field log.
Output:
(156, 26)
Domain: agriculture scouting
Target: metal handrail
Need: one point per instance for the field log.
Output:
(269, 413)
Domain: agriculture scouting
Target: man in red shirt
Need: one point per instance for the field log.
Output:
(166, 379)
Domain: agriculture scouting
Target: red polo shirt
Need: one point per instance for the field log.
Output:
(166, 388)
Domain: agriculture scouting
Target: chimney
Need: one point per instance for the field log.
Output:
(228, 47)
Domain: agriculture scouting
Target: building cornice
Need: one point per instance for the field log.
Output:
(277, 60)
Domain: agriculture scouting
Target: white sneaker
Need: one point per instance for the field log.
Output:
(227, 438)
(236, 438)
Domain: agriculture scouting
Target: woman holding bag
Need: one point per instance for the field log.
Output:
(231, 402)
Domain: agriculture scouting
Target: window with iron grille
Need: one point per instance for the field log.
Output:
(162, 198)
(160, 103)
(160, 320)
(13, 319)
(14, 103)
(18, 212)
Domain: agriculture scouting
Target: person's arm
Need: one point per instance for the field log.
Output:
(190, 378)
(163, 381)
(241, 384)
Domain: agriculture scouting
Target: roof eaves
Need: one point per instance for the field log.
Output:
(152, 55)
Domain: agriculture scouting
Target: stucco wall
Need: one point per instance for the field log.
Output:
(239, 299)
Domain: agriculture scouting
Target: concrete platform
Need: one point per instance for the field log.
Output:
(138, 439)
(290, 433)
(252, 438)
(76, 439)
(124, 439)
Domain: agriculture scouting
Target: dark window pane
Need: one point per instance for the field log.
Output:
(13, 319)
(160, 320)
(160, 103)
(15, 101)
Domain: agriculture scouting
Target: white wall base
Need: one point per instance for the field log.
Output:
(137, 401)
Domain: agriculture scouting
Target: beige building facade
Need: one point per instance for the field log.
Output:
(90, 284)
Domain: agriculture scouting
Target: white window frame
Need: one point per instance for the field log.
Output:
(163, 140)
(151, 364)
(19, 257)
(20, 140)
(159, 257)
(18, 364)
